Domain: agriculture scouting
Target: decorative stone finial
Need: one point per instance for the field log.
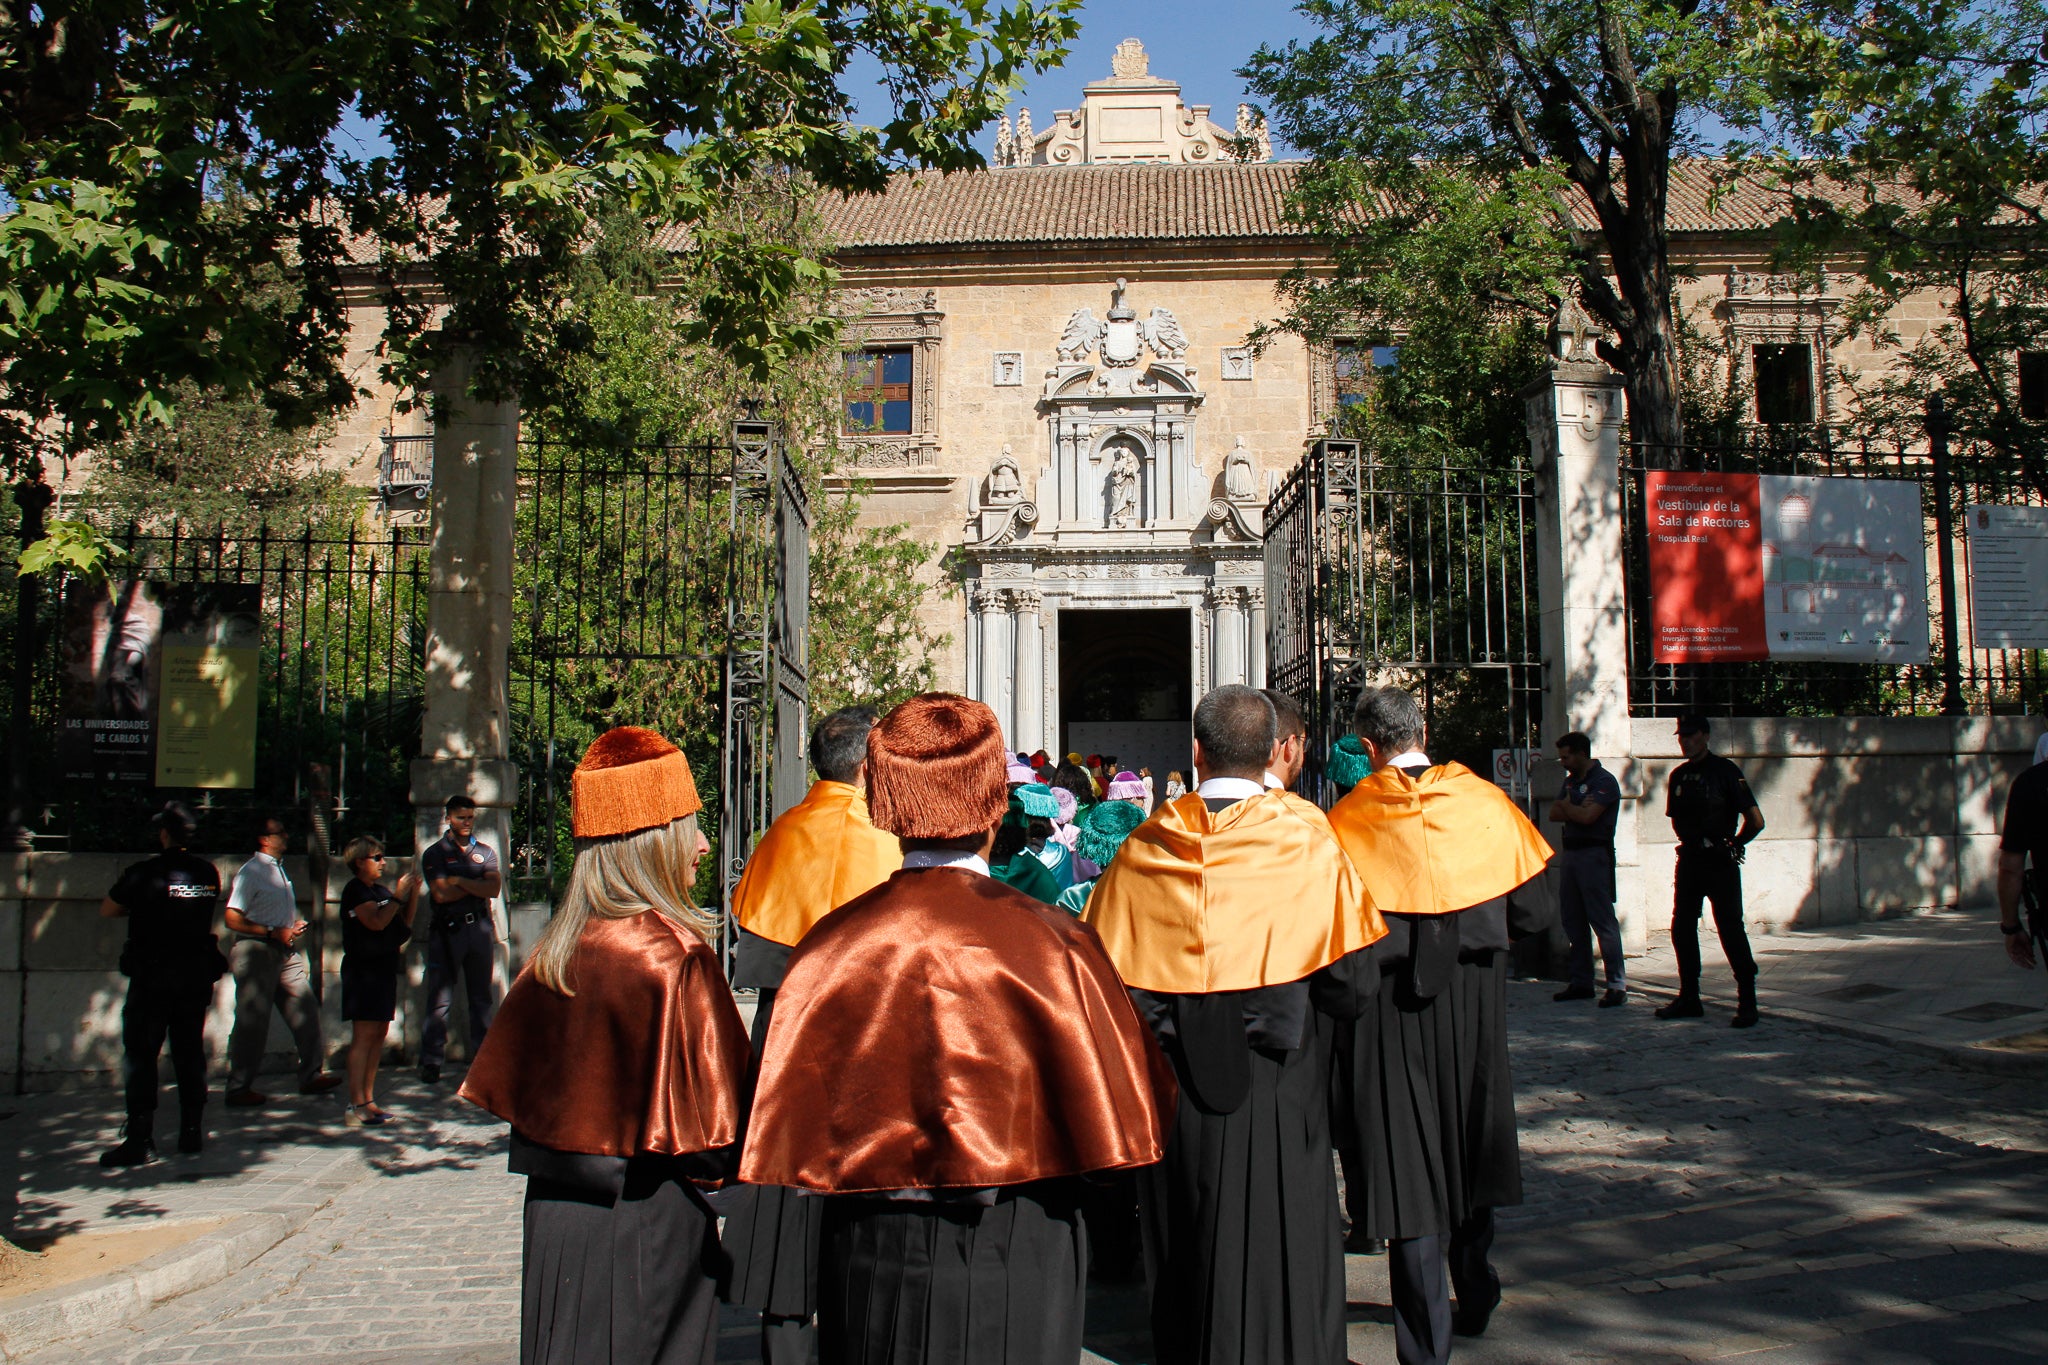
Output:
(1004, 144)
(1130, 60)
(1022, 146)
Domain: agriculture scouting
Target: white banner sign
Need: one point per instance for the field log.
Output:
(1845, 569)
(2008, 577)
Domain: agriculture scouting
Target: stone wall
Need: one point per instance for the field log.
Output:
(61, 993)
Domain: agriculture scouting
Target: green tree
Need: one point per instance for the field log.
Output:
(1558, 111)
(223, 464)
(1913, 139)
(157, 155)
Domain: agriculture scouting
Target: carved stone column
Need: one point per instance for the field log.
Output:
(1255, 627)
(1226, 616)
(993, 606)
(1029, 707)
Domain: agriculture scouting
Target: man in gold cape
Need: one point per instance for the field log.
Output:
(1453, 865)
(1243, 932)
(950, 1061)
(820, 854)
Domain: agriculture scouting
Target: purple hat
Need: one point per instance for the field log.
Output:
(1067, 804)
(1017, 772)
(1126, 786)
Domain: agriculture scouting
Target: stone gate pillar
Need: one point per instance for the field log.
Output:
(466, 729)
(1576, 414)
(1255, 641)
(992, 606)
(1227, 613)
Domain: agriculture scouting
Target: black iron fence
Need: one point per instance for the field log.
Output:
(662, 586)
(325, 625)
(1955, 677)
(1413, 573)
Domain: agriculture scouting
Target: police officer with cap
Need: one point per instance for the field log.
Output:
(172, 962)
(1708, 797)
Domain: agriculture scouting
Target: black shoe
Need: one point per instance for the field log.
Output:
(430, 1072)
(1470, 1319)
(137, 1147)
(1574, 993)
(1745, 1017)
(1613, 996)
(1684, 1007)
(1358, 1244)
(191, 1134)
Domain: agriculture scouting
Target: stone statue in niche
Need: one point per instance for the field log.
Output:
(1239, 478)
(1004, 485)
(1123, 489)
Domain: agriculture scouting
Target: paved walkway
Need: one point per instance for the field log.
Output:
(1786, 1194)
(1937, 983)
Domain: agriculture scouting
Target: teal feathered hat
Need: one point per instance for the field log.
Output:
(1349, 765)
(1102, 831)
(1037, 800)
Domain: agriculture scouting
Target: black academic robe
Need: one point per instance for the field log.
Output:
(1421, 1081)
(1243, 1250)
(771, 1232)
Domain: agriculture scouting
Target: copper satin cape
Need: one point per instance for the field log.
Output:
(1436, 844)
(649, 1055)
(1257, 894)
(817, 856)
(947, 1032)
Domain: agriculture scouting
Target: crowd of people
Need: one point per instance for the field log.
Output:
(1013, 1017)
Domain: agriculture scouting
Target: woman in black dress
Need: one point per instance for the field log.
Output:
(375, 924)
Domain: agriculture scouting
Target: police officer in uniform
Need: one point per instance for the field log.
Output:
(172, 962)
(1707, 799)
(1587, 807)
(461, 873)
(2024, 836)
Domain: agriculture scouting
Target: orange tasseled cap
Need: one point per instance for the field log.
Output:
(630, 779)
(935, 769)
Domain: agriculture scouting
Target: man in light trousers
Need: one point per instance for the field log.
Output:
(269, 967)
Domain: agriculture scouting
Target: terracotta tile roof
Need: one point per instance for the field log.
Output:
(1075, 204)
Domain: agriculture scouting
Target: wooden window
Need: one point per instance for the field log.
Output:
(2034, 385)
(878, 391)
(1784, 383)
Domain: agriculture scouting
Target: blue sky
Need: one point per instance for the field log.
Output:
(1199, 43)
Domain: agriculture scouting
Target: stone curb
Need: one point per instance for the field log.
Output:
(104, 1301)
(1968, 1056)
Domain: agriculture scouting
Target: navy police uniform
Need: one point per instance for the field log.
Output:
(1707, 797)
(459, 940)
(1586, 881)
(172, 962)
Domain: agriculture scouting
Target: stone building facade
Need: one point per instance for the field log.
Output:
(1050, 381)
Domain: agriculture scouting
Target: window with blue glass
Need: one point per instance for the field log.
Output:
(1356, 363)
(878, 391)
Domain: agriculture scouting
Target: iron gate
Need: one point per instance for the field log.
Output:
(1411, 573)
(663, 586)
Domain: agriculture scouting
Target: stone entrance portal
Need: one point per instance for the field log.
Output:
(1124, 687)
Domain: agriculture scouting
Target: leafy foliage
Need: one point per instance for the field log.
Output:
(1547, 113)
(158, 155)
(1913, 138)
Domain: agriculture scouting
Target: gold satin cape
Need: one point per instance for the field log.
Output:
(649, 1055)
(1439, 843)
(1256, 894)
(945, 1031)
(820, 854)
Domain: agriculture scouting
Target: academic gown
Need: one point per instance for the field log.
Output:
(1244, 933)
(949, 1059)
(624, 1099)
(818, 855)
(1425, 1099)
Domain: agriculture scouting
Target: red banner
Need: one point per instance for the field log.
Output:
(1706, 567)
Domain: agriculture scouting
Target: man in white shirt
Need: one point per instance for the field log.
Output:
(270, 968)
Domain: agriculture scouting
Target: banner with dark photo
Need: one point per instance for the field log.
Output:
(107, 724)
(207, 684)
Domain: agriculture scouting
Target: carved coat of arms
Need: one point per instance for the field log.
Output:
(1122, 338)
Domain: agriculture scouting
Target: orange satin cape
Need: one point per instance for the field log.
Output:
(1256, 894)
(947, 1032)
(649, 1055)
(1436, 843)
(817, 856)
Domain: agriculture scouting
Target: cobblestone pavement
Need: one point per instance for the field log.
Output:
(1781, 1195)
